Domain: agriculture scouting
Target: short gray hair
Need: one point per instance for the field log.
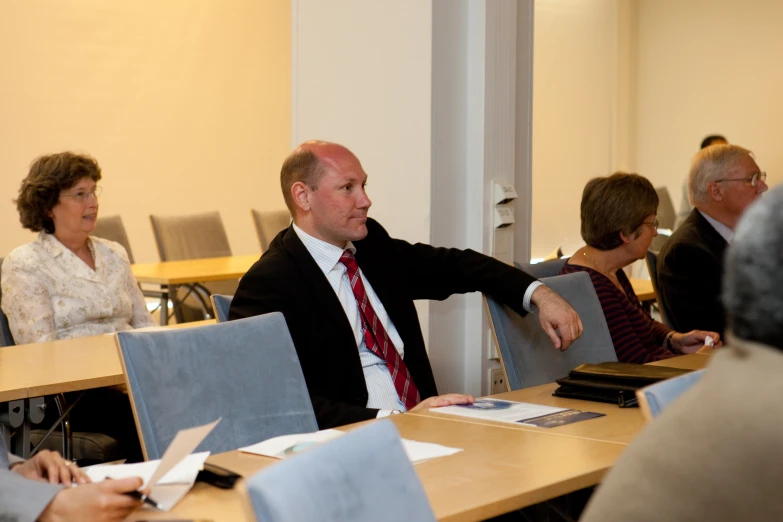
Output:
(753, 280)
(710, 164)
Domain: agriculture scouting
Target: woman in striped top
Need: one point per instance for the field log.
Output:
(618, 224)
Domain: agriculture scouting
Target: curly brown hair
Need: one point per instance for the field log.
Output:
(614, 204)
(49, 175)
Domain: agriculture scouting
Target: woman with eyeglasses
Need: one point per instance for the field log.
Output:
(618, 224)
(67, 284)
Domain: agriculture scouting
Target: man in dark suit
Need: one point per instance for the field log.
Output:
(723, 181)
(346, 289)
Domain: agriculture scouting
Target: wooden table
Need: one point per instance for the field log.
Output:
(169, 274)
(619, 425)
(643, 289)
(499, 470)
(30, 371)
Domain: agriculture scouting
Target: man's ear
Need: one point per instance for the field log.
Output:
(300, 193)
(715, 192)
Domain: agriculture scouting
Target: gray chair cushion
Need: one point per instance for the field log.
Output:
(269, 224)
(361, 476)
(221, 305)
(666, 214)
(527, 353)
(544, 268)
(190, 237)
(245, 371)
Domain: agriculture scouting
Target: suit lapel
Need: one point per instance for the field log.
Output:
(315, 278)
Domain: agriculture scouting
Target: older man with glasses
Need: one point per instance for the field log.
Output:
(723, 181)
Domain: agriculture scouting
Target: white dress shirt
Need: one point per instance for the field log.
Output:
(380, 388)
(725, 232)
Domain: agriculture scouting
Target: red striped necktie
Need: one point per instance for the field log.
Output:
(377, 340)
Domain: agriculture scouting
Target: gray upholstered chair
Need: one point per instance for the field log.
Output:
(543, 269)
(221, 304)
(269, 224)
(245, 371)
(363, 475)
(527, 354)
(666, 214)
(194, 236)
(657, 397)
(111, 228)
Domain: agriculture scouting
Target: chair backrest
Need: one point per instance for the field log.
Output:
(657, 397)
(666, 214)
(363, 475)
(269, 224)
(652, 268)
(527, 354)
(111, 228)
(245, 371)
(190, 237)
(221, 305)
(6, 339)
(543, 269)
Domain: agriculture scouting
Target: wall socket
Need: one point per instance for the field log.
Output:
(497, 381)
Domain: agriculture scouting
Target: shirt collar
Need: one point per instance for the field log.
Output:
(725, 232)
(326, 255)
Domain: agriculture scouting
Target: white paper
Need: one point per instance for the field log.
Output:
(501, 411)
(169, 489)
(288, 445)
(169, 478)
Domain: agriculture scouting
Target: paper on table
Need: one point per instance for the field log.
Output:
(169, 489)
(501, 411)
(287, 445)
(169, 478)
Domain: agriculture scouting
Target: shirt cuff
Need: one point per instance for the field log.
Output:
(383, 413)
(526, 304)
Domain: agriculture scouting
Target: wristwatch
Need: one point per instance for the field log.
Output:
(395, 412)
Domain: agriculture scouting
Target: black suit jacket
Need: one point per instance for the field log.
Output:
(287, 279)
(690, 269)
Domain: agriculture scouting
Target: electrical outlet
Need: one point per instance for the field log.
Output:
(497, 381)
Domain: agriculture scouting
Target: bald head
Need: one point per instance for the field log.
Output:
(307, 164)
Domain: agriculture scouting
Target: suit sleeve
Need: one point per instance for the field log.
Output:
(22, 499)
(437, 273)
(686, 281)
(250, 301)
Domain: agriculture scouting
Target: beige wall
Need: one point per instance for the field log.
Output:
(185, 104)
(707, 67)
(636, 85)
(582, 82)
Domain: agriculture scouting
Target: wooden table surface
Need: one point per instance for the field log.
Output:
(34, 370)
(193, 270)
(499, 470)
(643, 289)
(619, 425)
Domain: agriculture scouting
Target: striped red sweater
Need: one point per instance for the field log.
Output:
(637, 337)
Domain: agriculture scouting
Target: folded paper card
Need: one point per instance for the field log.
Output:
(169, 478)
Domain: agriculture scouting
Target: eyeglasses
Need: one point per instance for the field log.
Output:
(653, 224)
(753, 180)
(83, 196)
